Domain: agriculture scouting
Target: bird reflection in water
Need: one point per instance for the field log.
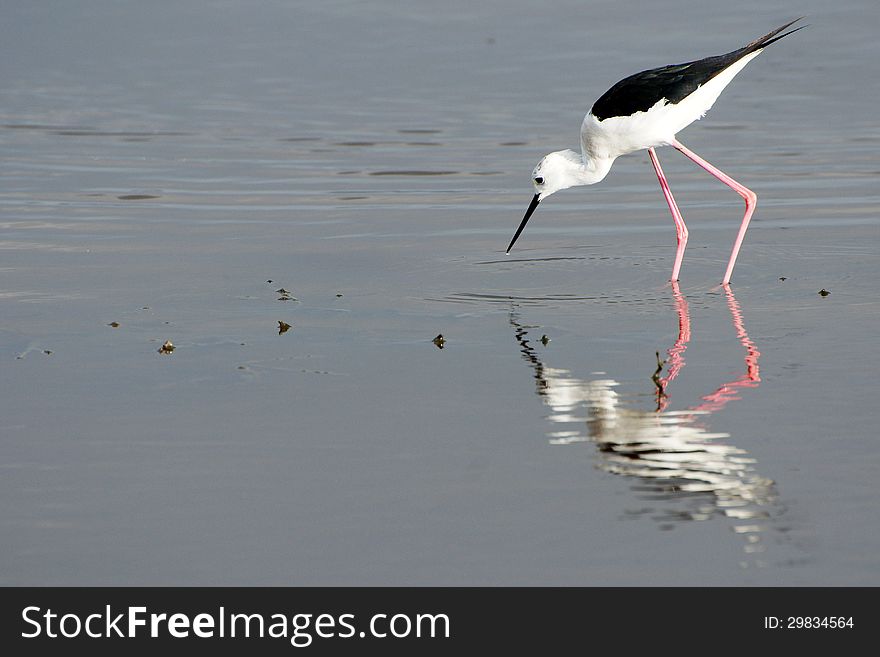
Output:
(681, 466)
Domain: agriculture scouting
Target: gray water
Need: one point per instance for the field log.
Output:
(197, 172)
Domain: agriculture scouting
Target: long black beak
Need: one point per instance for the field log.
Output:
(535, 200)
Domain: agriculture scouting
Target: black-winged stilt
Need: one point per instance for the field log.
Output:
(647, 110)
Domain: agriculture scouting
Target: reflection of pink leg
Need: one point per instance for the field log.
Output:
(681, 230)
(750, 197)
(676, 351)
(752, 375)
(751, 378)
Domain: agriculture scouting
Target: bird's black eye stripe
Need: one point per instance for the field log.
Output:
(539, 180)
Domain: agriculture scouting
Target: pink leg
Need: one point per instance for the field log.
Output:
(750, 197)
(681, 230)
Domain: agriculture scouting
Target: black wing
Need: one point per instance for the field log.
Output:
(640, 92)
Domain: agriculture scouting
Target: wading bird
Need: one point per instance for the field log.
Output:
(644, 111)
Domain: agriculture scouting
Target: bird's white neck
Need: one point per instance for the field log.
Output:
(592, 170)
(564, 169)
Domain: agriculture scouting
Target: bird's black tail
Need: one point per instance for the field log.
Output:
(770, 37)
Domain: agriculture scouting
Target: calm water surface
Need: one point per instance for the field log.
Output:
(355, 170)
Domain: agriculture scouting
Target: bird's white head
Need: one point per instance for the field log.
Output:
(558, 170)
